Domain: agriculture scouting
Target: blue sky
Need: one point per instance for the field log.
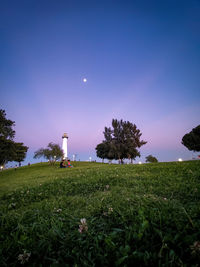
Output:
(141, 59)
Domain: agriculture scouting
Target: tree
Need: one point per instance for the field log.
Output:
(52, 153)
(191, 140)
(20, 151)
(101, 151)
(104, 151)
(9, 150)
(6, 130)
(151, 159)
(121, 141)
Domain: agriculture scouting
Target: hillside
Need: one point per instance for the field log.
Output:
(142, 215)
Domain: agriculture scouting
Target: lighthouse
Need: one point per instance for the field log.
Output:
(64, 145)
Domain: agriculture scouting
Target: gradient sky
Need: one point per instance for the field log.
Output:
(141, 59)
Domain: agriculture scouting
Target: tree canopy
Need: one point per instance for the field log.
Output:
(20, 152)
(151, 159)
(52, 153)
(6, 125)
(191, 140)
(121, 141)
(9, 150)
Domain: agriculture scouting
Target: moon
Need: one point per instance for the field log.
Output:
(84, 80)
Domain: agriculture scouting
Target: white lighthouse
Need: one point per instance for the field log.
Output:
(64, 145)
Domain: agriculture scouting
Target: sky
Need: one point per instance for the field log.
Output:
(141, 60)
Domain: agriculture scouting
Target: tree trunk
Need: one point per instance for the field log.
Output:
(120, 161)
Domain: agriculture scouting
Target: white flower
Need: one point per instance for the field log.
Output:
(83, 221)
(195, 248)
(83, 226)
(23, 258)
(59, 210)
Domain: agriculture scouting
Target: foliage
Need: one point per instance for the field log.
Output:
(120, 142)
(103, 151)
(192, 139)
(52, 153)
(20, 152)
(6, 125)
(151, 159)
(75, 217)
(9, 150)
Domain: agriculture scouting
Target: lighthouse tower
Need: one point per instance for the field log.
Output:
(64, 145)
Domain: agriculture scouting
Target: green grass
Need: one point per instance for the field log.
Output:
(137, 215)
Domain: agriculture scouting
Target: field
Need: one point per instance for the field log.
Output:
(101, 215)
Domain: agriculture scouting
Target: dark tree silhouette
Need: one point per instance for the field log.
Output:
(121, 141)
(9, 150)
(191, 140)
(20, 150)
(151, 159)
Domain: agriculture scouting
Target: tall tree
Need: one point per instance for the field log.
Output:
(191, 140)
(132, 140)
(121, 141)
(52, 153)
(9, 150)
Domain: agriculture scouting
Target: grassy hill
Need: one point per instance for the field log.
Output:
(142, 215)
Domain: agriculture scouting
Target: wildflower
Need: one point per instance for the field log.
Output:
(23, 258)
(83, 226)
(59, 210)
(107, 186)
(195, 248)
(12, 205)
(110, 210)
(164, 198)
(83, 221)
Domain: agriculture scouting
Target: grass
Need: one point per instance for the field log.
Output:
(142, 215)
